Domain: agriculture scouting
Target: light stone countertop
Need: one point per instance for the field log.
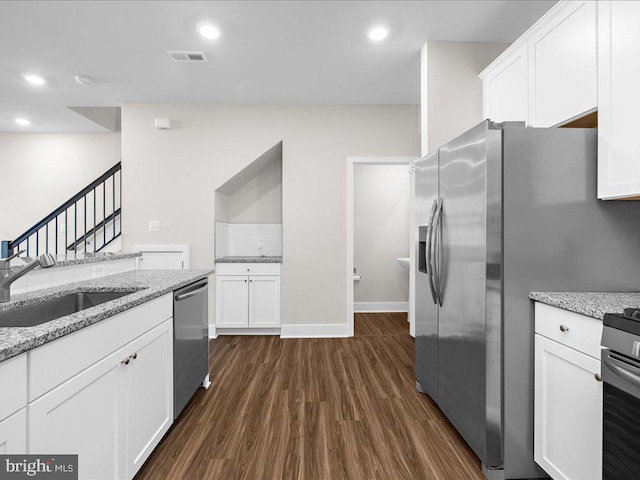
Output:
(592, 304)
(145, 285)
(81, 258)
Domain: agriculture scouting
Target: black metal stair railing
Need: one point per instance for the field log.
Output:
(87, 222)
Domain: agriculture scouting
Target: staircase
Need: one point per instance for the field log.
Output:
(87, 222)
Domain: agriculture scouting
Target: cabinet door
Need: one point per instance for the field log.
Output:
(562, 66)
(568, 412)
(505, 89)
(13, 434)
(149, 393)
(84, 416)
(264, 301)
(13, 372)
(618, 99)
(232, 301)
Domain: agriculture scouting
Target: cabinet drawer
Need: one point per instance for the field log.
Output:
(13, 378)
(248, 269)
(55, 362)
(580, 332)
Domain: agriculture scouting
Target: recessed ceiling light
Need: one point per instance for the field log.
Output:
(23, 121)
(208, 31)
(378, 33)
(34, 79)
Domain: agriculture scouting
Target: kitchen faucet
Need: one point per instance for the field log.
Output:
(7, 277)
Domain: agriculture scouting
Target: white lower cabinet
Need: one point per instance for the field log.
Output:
(149, 376)
(232, 301)
(84, 416)
(568, 403)
(112, 414)
(248, 296)
(264, 301)
(13, 433)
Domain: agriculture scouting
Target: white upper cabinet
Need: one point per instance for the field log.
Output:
(618, 98)
(548, 76)
(562, 65)
(505, 88)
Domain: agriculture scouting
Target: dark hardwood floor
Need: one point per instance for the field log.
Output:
(314, 409)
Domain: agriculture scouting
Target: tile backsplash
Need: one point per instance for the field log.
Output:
(242, 239)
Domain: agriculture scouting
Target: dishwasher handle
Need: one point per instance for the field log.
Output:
(201, 288)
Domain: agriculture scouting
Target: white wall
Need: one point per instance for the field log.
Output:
(45, 170)
(172, 175)
(451, 92)
(381, 232)
(260, 199)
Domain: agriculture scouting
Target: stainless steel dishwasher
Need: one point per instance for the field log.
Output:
(190, 343)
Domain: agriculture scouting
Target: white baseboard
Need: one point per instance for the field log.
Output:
(332, 330)
(247, 331)
(373, 307)
(212, 331)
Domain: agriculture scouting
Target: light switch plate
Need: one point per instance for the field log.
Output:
(154, 225)
(260, 243)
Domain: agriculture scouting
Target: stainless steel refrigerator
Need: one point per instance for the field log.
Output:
(501, 211)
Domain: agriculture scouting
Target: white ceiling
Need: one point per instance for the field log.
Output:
(270, 52)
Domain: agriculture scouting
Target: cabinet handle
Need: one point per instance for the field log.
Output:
(134, 356)
(564, 328)
(250, 281)
(125, 361)
(598, 377)
(245, 281)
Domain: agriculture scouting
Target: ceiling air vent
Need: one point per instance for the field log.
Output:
(187, 56)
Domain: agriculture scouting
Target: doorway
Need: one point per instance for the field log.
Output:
(367, 292)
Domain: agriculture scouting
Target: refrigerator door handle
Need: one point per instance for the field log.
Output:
(428, 252)
(434, 263)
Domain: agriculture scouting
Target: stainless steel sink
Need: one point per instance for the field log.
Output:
(43, 312)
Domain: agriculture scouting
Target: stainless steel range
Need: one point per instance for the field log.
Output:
(621, 402)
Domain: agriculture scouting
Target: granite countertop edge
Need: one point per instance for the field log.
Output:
(105, 257)
(17, 340)
(591, 304)
(250, 259)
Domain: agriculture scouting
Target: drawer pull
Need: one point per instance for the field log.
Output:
(134, 356)
(125, 361)
(598, 377)
(564, 328)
